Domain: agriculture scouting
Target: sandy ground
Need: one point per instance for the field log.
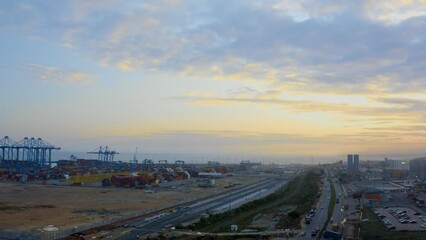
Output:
(27, 207)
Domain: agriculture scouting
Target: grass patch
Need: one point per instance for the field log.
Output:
(102, 211)
(4, 207)
(303, 202)
(43, 206)
(10, 208)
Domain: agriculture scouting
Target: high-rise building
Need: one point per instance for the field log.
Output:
(350, 163)
(353, 163)
(356, 163)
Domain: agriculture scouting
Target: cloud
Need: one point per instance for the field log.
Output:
(56, 75)
(394, 11)
(308, 45)
(363, 48)
(352, 111)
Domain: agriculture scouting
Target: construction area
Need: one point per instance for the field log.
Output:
(28, 207)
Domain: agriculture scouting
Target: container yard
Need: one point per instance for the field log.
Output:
(30, 160)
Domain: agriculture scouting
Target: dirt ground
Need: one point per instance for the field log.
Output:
(27, 207)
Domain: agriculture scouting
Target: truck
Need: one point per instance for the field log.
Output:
(307, 219)
(357, 195)
(332, 234)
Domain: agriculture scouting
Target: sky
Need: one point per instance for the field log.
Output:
(289, 78)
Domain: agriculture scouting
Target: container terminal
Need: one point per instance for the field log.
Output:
(30, 160)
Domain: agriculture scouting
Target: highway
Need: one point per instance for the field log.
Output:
(339, 214)
(321, 213)
(191, 212)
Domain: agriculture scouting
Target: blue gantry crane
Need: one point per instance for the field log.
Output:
(104, 154)
(29, 153)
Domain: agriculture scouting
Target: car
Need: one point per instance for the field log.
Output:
(423, 225)
(404, 221)
(322, 207)
(302, 233)
(413, 221)
(365, 220)
(391, 227)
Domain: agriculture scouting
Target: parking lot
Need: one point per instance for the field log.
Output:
(401, 218)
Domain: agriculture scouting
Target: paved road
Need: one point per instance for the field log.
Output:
(338, 213)
(144, 227)
(321, 214)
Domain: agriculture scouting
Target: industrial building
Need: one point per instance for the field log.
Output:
(395, 168)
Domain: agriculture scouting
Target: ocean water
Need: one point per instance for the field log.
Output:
(190, 157)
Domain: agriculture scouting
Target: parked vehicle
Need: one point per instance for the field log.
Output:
(315, 232)
(332, 235)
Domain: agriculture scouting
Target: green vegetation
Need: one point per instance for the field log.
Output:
(303, 201)
(4, 207)
(375, 229)
(101, 211)
(300, 192)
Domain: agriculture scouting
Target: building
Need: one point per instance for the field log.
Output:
(395, 168)
(418, 168)
(395, 164)
(350, 163)
(356, 163)
(353, 163)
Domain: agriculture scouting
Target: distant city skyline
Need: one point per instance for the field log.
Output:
(285, 78)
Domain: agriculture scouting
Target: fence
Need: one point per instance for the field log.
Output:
(62, 233)
(12, 235)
